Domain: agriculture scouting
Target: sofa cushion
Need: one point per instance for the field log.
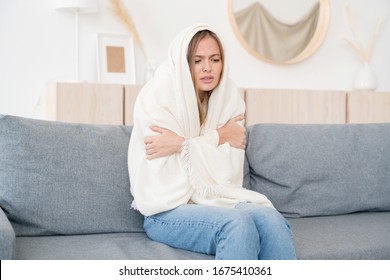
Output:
(62, 178)
(364, 235)
(314, 170)
(110, 246)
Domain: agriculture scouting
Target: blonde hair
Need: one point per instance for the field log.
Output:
(191, 51)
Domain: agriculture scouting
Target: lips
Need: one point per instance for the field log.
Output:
(207, 79)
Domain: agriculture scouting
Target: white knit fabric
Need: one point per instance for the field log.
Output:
(205, 172)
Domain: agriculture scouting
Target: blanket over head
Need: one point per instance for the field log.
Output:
(204, 172)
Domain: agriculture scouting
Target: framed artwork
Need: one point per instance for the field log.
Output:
(115, 59)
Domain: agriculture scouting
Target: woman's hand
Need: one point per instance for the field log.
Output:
(164, 144)
(233, 133)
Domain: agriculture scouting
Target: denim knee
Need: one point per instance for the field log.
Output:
(264, 216)
(238, 238)
(241, 224)
(276, 238)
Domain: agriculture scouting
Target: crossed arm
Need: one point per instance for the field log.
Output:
(168, 142)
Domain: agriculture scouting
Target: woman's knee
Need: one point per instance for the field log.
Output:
(240, 226)
(238, 238)
(272, 215)
(267, 219)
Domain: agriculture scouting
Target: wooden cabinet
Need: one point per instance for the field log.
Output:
(294, 106)
(90, 103)
(368, 107)
(114, 104)
(316, 106)
(131, 93)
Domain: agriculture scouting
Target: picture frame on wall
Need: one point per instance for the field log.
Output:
(115, 59)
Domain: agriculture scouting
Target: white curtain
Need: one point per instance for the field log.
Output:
(272, 38)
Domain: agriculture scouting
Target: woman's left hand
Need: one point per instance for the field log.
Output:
(165, 143)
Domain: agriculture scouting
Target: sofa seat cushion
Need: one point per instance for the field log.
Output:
(114, 246)
(314, 170)
(62, 178)
(351, 237)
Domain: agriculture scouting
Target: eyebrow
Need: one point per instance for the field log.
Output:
(201, 56)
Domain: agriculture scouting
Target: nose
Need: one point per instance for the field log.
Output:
(206, 66)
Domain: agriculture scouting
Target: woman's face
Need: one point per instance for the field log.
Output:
(207, 67)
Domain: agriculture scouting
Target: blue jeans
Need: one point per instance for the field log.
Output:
(246, 232)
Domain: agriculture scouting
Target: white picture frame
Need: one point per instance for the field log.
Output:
(115, 59)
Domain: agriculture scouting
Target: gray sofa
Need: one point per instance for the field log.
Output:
(64, 190)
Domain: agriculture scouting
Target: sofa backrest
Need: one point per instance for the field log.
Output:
(62, 178)
(316, 170)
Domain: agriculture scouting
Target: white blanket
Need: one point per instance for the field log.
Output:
(204, 172)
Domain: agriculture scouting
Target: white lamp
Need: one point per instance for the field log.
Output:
(77, 7)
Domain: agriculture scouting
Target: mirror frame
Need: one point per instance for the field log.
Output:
(311, 48)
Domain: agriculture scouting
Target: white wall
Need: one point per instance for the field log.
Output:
(36, 46)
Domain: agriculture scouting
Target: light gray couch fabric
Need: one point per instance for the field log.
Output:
(58, 178)
(113, 246)
(354, 236)
(7, 237)
(358, 236)
(65, 191)
(319, 170)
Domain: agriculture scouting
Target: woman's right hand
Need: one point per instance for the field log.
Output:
(165, 143)
(233, 133)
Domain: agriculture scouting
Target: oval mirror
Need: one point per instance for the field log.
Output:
(280, 36)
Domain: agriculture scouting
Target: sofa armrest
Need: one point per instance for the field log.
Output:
(7, 237)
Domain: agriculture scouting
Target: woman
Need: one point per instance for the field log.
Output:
(186, 157)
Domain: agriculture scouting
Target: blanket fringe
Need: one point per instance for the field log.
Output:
(201, 187)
